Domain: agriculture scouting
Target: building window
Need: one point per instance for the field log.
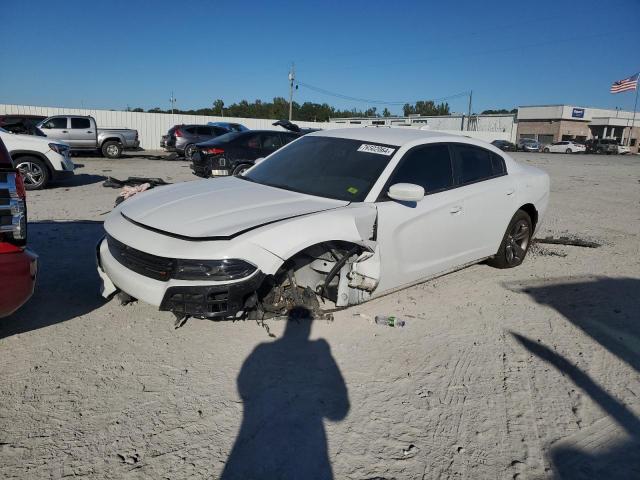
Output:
(632, 143)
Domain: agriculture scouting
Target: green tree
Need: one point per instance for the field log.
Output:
(218, 107)
(386, 112)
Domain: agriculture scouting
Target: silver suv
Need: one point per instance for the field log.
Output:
(183, 138)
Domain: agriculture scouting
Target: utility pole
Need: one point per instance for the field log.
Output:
(292, 77)
(173, 102)
(469, 116)
(635, 107)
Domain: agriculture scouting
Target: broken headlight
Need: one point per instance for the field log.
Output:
(227, 269)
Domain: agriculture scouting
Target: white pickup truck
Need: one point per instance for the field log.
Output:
(82, 134)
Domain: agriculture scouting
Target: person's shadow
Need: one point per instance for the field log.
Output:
(288, 387)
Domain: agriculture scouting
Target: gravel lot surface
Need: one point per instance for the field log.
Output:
(531, 372)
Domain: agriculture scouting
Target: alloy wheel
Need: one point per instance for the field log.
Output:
(112, 150)
(517, 242)
(32, 173)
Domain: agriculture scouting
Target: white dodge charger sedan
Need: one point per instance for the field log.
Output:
(334, 218)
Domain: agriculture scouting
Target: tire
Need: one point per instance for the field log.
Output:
(240, 169)
(546, 150)
(515, 243)
(189, 150)
(111, 149)
(34, 172)
(568, 150)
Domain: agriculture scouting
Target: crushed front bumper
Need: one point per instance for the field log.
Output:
(182, 297)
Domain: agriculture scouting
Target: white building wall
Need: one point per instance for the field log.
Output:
(151, 126)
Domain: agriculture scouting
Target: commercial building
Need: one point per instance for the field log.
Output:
(554, 123)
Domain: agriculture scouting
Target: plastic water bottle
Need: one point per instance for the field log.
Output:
(389, 321)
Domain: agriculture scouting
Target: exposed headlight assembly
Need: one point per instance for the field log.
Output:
(227, 269)
(58, 148)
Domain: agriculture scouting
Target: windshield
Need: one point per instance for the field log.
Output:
(329, 167)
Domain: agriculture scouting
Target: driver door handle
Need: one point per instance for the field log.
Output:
(64, 131)
(456, 209)
(510, 191)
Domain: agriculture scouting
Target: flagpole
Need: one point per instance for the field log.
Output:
(635, 107)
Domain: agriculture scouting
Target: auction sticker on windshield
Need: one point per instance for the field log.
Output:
(379, 149)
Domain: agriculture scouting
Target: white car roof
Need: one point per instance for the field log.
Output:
(389, 136)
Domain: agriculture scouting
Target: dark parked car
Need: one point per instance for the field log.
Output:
(504, 145)
(21, 124)
(235, 152)
(182, 139)
(18, 264)
(602, 145)
(232, 127)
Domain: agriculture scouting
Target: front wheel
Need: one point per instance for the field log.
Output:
(35, 173)
(111, 149)
(546, 150)
(568, 150)
(240, 169)
(515, 243)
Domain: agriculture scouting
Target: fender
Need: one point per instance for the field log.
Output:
(32, 153)
(354, 224)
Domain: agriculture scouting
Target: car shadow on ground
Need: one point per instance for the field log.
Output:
(150, 156)
(77, 181)
(608, 310)
(67, 285)
(288, 387)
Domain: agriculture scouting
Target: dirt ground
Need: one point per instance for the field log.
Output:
(531, 372)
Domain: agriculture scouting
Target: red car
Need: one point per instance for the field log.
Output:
(18, 265)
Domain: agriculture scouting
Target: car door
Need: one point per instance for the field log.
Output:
(81, 133)
(270, 142)
(56, 128)
(420, 239)
(486, 197)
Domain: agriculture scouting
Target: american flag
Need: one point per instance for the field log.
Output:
(630, 83)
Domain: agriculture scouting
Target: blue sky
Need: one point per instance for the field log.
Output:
(111, 54)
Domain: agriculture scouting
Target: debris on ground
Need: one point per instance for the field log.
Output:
(570, 241)
(112, 182)
(389, 320)
(132, 186)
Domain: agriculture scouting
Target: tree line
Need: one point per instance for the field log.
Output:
(307, 111)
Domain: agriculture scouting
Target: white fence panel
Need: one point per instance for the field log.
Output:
(151, 126)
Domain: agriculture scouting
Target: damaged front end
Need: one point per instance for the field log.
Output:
(322, 278)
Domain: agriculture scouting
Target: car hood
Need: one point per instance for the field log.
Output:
(219, 208)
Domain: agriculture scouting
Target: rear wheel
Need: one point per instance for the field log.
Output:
(34, 172)
(189, 151)
(515, 243)
(111, 149)
(240, 169)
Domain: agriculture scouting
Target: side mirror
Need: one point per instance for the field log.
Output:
(406, 192)
(257, 161)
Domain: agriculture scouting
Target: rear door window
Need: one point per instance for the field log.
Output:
(80, 122)
(428, 166)
(191, 130)
(219, 131)
(271, 141)
(474, 164)
(288, 137)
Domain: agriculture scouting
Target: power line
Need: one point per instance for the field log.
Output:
(378, 102)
